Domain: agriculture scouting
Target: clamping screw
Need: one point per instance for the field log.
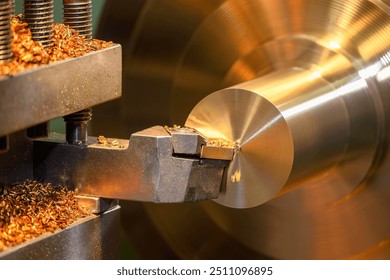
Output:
(39, 16)
(5, 30)
(78, 15)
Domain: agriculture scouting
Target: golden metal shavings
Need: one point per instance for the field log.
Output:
(220, 143)
(178, 128)
(30, 209)
(106, 142)
(28, 54)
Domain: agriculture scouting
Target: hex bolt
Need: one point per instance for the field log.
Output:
(78, 15)
(5, 30)
(39, 16)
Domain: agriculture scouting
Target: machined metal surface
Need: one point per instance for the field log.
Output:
(264, 159)
(142, 169)
(60, 88)
(339, 51)
(91, 238)
(286, 135)
(96, 205)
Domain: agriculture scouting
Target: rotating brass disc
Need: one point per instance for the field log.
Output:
(264, 152)
(178, 52)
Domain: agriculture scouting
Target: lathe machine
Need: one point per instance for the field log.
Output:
(280, 148)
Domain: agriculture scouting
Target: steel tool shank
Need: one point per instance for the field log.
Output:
(153, 166)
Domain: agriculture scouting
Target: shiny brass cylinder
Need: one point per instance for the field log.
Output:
(293, 126)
